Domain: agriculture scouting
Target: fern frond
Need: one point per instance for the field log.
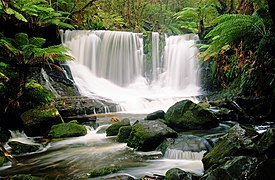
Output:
(233, 28)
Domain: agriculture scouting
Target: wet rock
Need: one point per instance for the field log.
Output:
(155, 115)
(147, 135)
(185, 143)
(19, 147)
(266, 144)
(103, 171)
(114, 128)
(82, 106)
(186, 115)
(4, 135)
(123, 134)
(179, 174)
(38, 122)
(71, 129)
(242, 167)
(237, 142)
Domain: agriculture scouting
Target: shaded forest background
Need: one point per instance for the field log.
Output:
(236, 50)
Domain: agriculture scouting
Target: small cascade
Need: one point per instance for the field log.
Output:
(186, 155)
(47, 84)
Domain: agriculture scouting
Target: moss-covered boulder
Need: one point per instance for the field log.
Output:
(148, 135)
(19, 147)
(70, 129)
(123, 134)
(38, 122)
(155, 115)
(114, 128)
(186, 115)
(242, 167)
(237, 142)
(103, 171)
(179, 174)
(266, 144)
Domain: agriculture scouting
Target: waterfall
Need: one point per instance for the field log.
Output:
(109, 64)
(186, 155)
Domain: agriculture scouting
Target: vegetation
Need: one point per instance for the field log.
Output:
(237, 38)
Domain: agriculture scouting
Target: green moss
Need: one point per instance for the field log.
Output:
(3, 160)
(114, 128)
(70, 129)
(103, 171)
(123, 134)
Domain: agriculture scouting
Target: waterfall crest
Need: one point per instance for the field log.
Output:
(110, 64)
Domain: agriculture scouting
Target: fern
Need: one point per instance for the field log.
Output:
(230, 29)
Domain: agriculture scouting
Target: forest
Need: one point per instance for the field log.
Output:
(236, 43)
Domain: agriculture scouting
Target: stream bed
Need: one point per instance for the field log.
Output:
(73, 158)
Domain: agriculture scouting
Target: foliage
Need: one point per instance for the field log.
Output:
(36, 12)
(22, 53)
(240, 51)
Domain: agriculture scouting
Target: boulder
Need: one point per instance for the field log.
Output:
(38, 122)
(179, 174)
(148, 135)
(155, 115)
(114, 128)
(237, 142)
(103, 171)
(186, 115)
(242, 167)
(185, 143)
(266, 144)
(123, 134)
(20, 148)
(70, 129)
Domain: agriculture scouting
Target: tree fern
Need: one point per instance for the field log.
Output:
(230, 29)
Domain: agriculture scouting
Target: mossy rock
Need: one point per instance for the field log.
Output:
(114, 128)
(38, 122)
(103, 171)
(242, 167)
(186, 115)
(155, 115)
(19, 148)
(71, 129)
(266, 144)
(148, 135)
(123, 134)
(237, 142)
(179, 174)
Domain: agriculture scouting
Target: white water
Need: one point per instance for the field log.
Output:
(110, 64)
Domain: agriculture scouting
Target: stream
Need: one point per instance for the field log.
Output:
(73, 158)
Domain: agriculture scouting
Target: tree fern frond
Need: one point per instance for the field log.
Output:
(37, 41)
(233, 28)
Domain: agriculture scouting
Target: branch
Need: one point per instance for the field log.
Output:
(83, 8)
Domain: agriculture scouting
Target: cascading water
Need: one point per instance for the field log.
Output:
(109, 64)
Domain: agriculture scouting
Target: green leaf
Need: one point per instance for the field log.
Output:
(37, 41)
(21, 39)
